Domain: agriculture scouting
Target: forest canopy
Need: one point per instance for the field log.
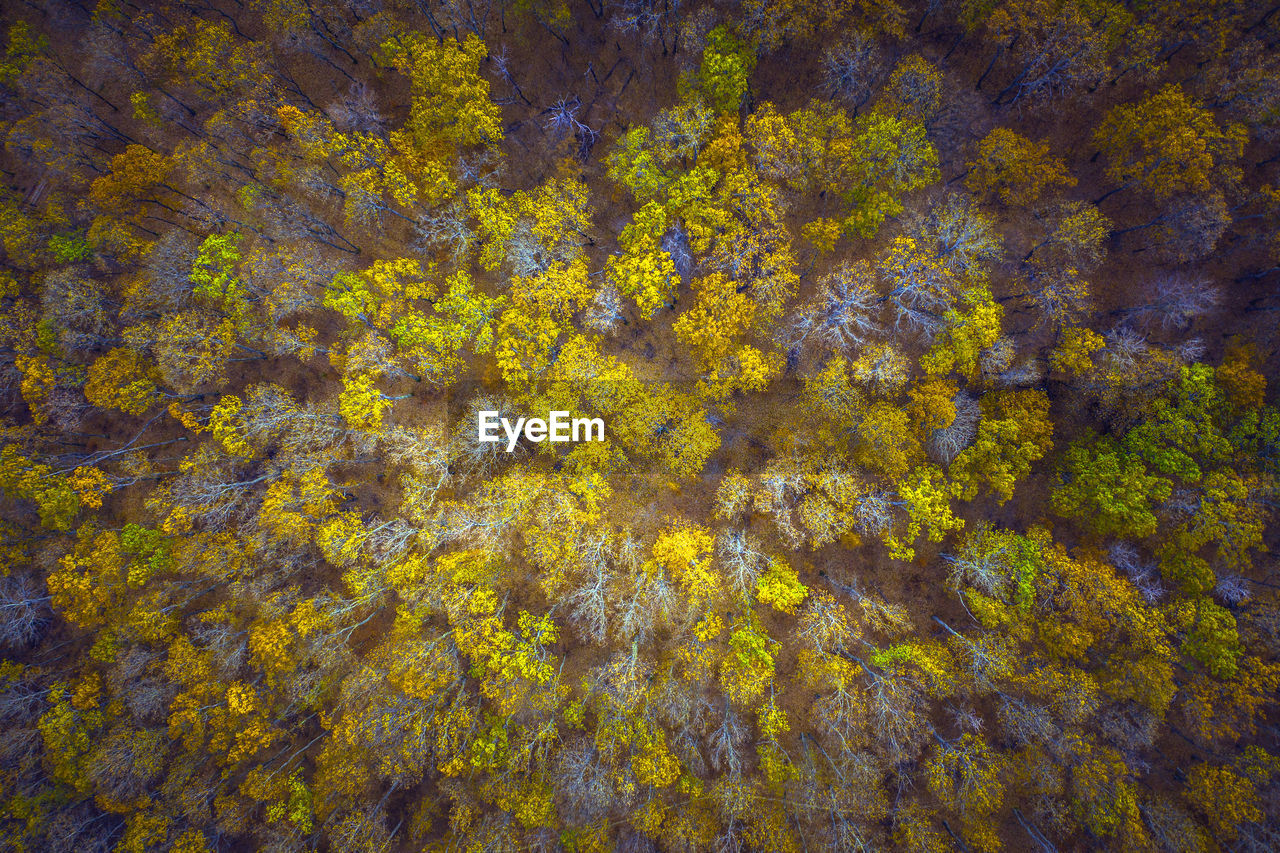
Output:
(935, 347)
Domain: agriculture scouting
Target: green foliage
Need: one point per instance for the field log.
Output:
(749, 666)
(928, 508)
(727, 62)
(70, 248)
(213, 275)
(780, 586)
(893, 158)
(1108, 490)
(1212, 638)
(1015, 432)
(1180, 432)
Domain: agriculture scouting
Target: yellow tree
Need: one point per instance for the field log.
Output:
(1167, 144)
(120, 379)
(928, 505)
(965, 777)
(1015, 169)
(1015, 431)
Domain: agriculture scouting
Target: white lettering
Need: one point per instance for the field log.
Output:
(588, 424)
(513, 435)
(488, 421)
(559, 426)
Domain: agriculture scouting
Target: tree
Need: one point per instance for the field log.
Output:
(969, 331)
(1109, 490)
(749, 666)
(119, 379)
(24, 611)
(450, 102)
(720, 314)
(1102, 797)
(1015, 431)
(1224, 797)
(191, 348)
(727, 62)
(815, 501)
(1053, 48)
(58, 497)
(892, 158)
(645, 271)
(964, 775)
(773, 24)
(928, 511)
(1015, 169)
(1075, 234)
(1075, 350)
(1212, 638)
(685, 553)
(913, 91)
(1168, 143)
(921, 287)
(780, 586)
(263, 266)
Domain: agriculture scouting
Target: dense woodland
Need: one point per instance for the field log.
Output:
(936, 344)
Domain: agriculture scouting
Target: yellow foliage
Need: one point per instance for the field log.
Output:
(1074, 352)
(780, 586)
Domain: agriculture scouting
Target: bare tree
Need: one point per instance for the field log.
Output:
(447, 231)
(1020, 374)
(585, 788)
(649, 600)
(1173, 828)
(82, 829)
(76, 308)
(850, 69)
(605, 311)
(1233, 590)
(725, 743)
(473, 457)
(1187, 229)
(1131, 729)
(562, 118)
(945, 443)
(1173, 300)
(1144, 573)
(964, 237)
(741, 558)
(127, 762)
(24, 610)
(21, 702)
(167, 282)
(965, 718)
(650, 19)
(675, 242)
(363, 830)
(824, 625)
(841, 313)
(357, 109)
(1190, 350)
(873, 513)
(591, 600)
(1025, 723)
(920, 293)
